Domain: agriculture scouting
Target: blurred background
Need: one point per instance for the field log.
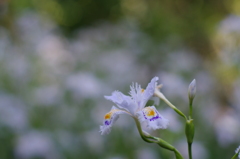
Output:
(59, 58)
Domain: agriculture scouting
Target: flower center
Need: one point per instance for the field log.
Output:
(151, 113)
(142, 90)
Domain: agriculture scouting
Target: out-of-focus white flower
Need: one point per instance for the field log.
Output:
(172, 81)
(84, 84)
(13, 112)
(134, 106)
(230, 24)
(35, 144)
(48, 95)
(227, 129)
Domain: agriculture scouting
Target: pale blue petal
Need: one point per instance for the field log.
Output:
(148, 93)
(122, 101)
(153, 118)
(109, 119)
(137, 96)
(145, 95)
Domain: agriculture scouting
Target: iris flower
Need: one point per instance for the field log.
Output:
(134, 105)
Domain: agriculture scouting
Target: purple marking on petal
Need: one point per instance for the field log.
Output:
(153, 118)
(144, 115)
(107, 122)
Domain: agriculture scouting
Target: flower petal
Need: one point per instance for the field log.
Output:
(148, 93)
(153, 118)
(122, 101)
(136, 93)
(109, 119)
(141, 96)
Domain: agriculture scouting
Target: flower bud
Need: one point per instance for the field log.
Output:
(192, 90)
(189, 131)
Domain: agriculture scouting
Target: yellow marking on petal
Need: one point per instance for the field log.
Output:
(150, 111)
(108, 116)
(142, 90)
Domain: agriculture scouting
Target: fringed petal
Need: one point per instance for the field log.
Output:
(109, 119)
(141, 96)
(136, 93)
(148, 93)
(153, 118)
(122, 101)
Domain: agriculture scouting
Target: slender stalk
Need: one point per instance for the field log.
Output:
(152, 139)
(178, 155)
(190, 150)
(190, 109)
(143, 136)
(235, 156)
(176, 152)
(190, 118)
(161, 96)
(167, 146)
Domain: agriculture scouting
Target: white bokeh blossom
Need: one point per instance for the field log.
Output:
(134, 105)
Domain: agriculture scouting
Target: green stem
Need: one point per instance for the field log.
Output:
(190, 150)
(161, 96)
(190, 109)
(151, 139)
(178, 155)
(176, 152)
(168, 146)
(235, 156)
(143, 136)
(190, 143)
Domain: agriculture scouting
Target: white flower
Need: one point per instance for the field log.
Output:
(238, 151)
(134, 105)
